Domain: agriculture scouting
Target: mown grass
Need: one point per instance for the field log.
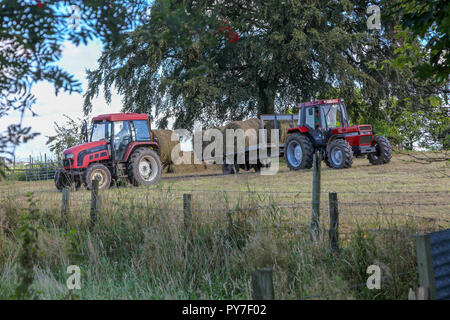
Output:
(141, 249)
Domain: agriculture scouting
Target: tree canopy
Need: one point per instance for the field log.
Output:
(187, 63)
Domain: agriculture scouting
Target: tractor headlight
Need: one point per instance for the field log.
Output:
(68, 156)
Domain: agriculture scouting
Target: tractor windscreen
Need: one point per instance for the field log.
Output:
(333, 115)
(101, 131)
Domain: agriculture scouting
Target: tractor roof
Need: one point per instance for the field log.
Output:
(323, 101)
(121, 117)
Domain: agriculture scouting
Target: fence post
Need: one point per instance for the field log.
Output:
(334, 223)
(315, 218)
(187, 210)
(425, 265)
(14, 165)
(262, 284)
(95, 202)
(64, 206)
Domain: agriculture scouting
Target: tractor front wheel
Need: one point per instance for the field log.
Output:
(144, 167)
(298, 152)
(98, 172)
(64, 180)
(383, 153)
(339, 154)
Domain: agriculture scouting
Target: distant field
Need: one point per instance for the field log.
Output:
(139, 248)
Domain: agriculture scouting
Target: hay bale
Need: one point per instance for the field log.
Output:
(251, 127)
(166, 146)
(283, 126)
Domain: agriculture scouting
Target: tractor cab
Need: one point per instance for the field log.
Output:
(321, 117)
(323, 126)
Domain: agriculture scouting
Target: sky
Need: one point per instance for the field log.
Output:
(51, 108)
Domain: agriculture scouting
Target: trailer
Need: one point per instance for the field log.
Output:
(256, 156)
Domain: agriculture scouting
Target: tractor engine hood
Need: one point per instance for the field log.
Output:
(351, 129)
(78, 156)
(77, 149)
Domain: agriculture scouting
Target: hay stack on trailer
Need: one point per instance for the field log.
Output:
(166, 146)
(251, 131)
(283, 126)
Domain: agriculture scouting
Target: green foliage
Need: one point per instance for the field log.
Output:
(67, 135)
(180, 64)
(430, 21)
(28, 233)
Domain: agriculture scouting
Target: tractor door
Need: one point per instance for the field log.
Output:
(314, 121)
(121, 138)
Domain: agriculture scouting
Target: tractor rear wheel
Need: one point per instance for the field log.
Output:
(339, 154)
(383, 152)
(298, 152)
(98, 172)
(144, 167)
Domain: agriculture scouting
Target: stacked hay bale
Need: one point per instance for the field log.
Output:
(251, 131)
(252, 138)
(283, 126)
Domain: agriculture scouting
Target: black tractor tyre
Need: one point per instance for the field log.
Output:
(63, 180)
(144, 167)
(101, 173)
(339, 154)
(384, 151)
(295, 140)
(59, 180)
(327, 162)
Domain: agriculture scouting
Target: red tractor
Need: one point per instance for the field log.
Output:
(323, 125)
(121, 146)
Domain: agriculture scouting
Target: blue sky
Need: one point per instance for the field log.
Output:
(51, 108)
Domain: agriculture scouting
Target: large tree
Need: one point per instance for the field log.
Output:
(187, 63)
(184, 63)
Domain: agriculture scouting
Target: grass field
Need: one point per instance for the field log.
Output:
(140, 248)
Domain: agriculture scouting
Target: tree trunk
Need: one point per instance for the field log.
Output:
(266, 99)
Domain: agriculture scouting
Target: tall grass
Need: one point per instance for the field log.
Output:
(140, 249)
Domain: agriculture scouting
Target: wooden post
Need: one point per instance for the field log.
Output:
(187, 211)
(315, 218)
(334, 223)
(64, 206)
(262, 284)
(425, 266)
(14, 164)
(95, 202)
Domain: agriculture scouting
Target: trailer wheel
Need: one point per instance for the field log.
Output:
(229, 168)
(144, 167)
(298, 152)
(340, 154)
(384, 151)
(99, 172)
